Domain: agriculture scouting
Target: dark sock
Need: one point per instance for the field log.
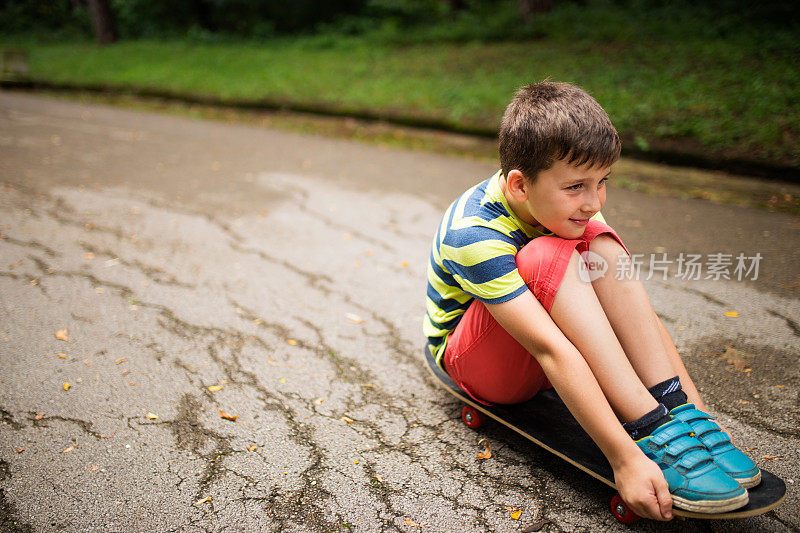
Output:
(670, 393)
(645, 425)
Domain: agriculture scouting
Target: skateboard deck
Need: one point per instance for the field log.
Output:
(547, 422)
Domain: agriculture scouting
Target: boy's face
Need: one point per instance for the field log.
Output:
(564, 197)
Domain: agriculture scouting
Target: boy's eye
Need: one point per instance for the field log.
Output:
(578, 186)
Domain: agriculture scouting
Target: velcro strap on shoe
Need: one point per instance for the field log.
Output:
(690, 415)
(684, 445)
(693, 459)
(712, 440)
(704, 427)
(670, 431)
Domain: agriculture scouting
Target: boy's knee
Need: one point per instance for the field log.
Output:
(545, 256)
(607, 246)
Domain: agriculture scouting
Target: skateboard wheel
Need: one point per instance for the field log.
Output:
(621, 512)
(472, 417)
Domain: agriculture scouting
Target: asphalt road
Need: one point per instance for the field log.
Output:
(204, 269)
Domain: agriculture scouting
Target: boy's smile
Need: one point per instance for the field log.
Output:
(562, 199)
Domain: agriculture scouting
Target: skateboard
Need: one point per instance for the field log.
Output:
(546, 421)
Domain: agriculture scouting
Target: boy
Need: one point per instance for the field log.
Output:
(509, 310)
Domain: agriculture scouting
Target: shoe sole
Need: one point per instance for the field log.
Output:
(711, 506)
(749, 482)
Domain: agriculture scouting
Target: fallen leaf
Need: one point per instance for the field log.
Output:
(95, 468)
(410, 522)
(20, 450)
(745, 402)
(319, 401)
(62, 334)
(66, 386)
(69, 449)
(404, 264)
(204, 500)
(733, 314)
(151, 416)
(282, 380)
(487, 452)
(39, 416)
(737, 358)
(61, 355)
(215, 388)
(516, 514)
(355, 319)
(291, 342)
(226, 416)
(120, 360)
(252, 448)
(771, 457)
(347, 419)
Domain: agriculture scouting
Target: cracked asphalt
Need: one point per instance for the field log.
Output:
(204, 268)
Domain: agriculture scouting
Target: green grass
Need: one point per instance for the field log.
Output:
(667, 88)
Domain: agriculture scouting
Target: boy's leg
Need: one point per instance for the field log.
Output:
(577, 311)
(635, 324)
(655, 359)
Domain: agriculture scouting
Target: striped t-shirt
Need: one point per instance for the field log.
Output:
(474, 256)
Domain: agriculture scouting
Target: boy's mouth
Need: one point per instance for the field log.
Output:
(580, 221)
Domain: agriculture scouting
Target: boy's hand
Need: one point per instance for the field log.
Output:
(643, 488)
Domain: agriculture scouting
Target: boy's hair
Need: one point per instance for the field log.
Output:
(549, 121)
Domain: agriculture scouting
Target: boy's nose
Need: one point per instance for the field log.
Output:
(592, 202)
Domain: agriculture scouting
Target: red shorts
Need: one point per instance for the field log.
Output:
(481, 357)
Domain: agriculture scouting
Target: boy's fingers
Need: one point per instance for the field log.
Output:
(664, 499)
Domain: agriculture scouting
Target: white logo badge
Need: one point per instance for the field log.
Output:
(592, 267)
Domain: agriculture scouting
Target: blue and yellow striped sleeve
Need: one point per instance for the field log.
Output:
(483, 263)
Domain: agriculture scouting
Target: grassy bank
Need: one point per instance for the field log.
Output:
(665, 88)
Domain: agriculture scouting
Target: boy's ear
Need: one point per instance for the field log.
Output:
(517, 186)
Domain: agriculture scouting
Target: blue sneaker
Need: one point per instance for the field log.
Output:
(695, 482)
(732, 461)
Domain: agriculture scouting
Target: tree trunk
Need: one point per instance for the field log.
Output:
(528, 8)
(102, 21)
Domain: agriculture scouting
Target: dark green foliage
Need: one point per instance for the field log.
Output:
(204, 19)
(412, 21)
(51, 18)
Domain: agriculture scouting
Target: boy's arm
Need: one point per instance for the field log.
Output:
(639, 480)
